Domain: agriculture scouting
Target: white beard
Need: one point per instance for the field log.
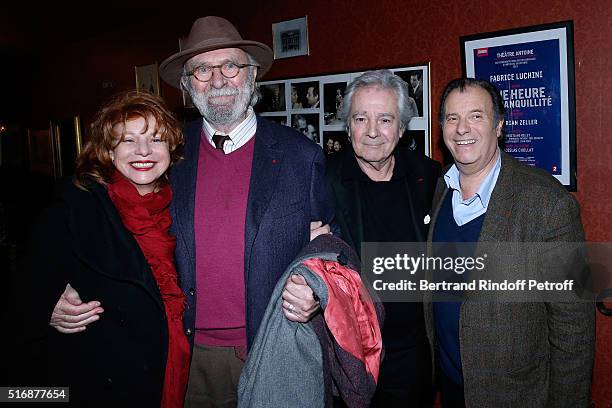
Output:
(223, 115)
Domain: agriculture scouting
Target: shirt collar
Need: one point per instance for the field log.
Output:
(451, 178)
(244, 130)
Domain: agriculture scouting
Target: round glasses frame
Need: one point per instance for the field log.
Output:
(203, 73)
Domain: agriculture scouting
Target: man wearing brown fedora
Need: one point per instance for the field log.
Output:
(248, 196)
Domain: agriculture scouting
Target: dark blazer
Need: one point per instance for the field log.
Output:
(286, 192)
(524, 354)
(120, 359)
(421, 175)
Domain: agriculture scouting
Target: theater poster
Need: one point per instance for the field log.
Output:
(533, 68)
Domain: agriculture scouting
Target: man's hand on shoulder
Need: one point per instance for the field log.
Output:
(71, 315)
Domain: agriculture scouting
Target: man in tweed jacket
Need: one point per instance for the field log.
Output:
(492, 354)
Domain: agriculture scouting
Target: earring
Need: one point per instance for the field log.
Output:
(112, 155)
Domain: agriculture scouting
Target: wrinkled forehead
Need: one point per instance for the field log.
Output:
(375, 99)
(216, 57)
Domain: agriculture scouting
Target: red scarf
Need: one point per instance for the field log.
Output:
(148, 219)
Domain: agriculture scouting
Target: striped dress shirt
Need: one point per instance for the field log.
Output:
(239, 136)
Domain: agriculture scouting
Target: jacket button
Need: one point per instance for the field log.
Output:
(191, 291)
(188, 332)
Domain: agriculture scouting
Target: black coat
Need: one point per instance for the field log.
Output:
(421, 175)
(120, 359)
(405, 373)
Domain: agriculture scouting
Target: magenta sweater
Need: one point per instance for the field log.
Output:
(222, 189)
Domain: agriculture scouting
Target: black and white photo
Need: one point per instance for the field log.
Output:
(333, 94)
(305, 95)
(272, 98)
(308, 124)
(334, 142)
(414, 79)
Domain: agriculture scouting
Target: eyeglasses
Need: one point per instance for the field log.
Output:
(203, 73)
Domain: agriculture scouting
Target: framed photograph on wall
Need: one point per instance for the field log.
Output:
(334, 141)
(414, 79)
(312, 105)
(333, 94)
(308, 124)
(290, 38)
(147, 78)
(305, 95)
(418, 135)
(272, 97)
(533, 67)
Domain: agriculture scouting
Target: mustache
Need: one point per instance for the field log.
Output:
(223, 92)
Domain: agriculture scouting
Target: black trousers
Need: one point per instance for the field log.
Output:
(451, 393)
(405, 379)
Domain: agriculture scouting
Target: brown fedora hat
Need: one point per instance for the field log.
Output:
(208, 34)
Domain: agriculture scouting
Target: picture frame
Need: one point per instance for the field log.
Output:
(318, 100)
(533, 67)
(147, 78)
(290, 38)
(273, 97)
(418, 135)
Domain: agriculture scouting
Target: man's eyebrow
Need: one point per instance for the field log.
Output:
(477, 110)
(378, 114)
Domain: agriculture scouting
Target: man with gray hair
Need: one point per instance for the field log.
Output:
(248, 196)
(383, 193)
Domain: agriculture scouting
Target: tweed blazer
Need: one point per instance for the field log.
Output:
(527, 354)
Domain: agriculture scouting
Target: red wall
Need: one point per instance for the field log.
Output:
(359, 34)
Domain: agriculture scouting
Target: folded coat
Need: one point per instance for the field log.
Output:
(336, 353)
